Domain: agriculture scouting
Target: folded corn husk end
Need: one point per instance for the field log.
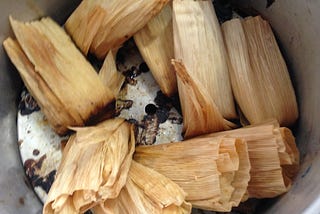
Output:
(101, 156)
(109, 74)
(146, 191)
(200, 114)
(274, 157)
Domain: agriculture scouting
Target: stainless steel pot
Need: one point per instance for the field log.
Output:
(296, 24)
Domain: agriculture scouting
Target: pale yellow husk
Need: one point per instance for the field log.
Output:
(50, 105)
(109, 74)
(101, 25)
(198, 42)
(259, 75)
(155, 43)
(93, 169)
(200, 114)
(273, 155)
(233, 182)
(242, 76)
(147, 191)
(193, 169)
(53, 63)
(213, 171)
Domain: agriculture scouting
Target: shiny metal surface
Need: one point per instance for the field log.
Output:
(296, 23)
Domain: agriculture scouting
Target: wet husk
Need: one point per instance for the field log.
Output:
(218, 167)
(57, 74)
(200, 114)
(94, 167)
(101, 25)
(198, 42)
(110, 75)
(155, 43)
(147, 191)
(259, 75)
(273, 156)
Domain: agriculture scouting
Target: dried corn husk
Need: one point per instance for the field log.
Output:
(259, 76)
(193, 169)
(147, 191)
(291, 167)
(155, 43)
(94, 167)
(242, 76)
(210, 169)
(101, 25)
(200, 114)
(273, 156)
(198, 42)
(57, 74)
(233, 182)
(110, 75)
(50, 105)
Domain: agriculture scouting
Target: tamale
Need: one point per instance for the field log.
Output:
(233, 183)
(101, 25)
(110, 75)
(211, 165)
(51, 106)
(47, 60)
(155, 43)
(193, 169)
(241, 73)
(147, 191)
(200, 114)
(94, 167)
(198, 42)
(258, 72)
(274, 158)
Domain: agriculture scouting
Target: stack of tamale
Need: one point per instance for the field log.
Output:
(228, 167)
(214, 167)
(97, 172)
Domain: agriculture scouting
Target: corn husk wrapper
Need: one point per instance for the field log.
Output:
(147, 191)
(57, 74)
(198, 42)
(110, 75)
(100, 26)
(94, 167)
(200, 114)
(56, 114)
(273, 156)
(233, 182)
(259, 75)
(242, 75)
(291, 165)
(155, 43)
(213, 180)
(193, 169)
